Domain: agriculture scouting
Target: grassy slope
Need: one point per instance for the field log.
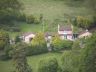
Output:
(7, 66)
(51, 10)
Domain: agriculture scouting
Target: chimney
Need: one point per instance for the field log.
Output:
(58, 27)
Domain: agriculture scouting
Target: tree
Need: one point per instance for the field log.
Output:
(48, 65)
(57, 43)
(9, 9)
(88, 56)
(70, 61)
(38, 44)
(4, 39)
(19, 58)
(17, 39)
(82, 22)
(39, 40)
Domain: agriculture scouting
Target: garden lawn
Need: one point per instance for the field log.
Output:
(33, 61)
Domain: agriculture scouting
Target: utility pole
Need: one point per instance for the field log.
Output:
(43, 25)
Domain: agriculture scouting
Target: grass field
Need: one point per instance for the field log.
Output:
(7, 66)
(52, 10)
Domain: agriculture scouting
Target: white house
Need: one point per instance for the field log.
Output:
(27, 37)
(65, 32)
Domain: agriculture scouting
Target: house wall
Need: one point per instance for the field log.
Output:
(69, 37)
(62, 37)
(65, 32)
(87, 34)
(27, 38)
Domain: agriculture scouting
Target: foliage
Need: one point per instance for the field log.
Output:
(17, 39)
(88, 60)
(48, 65)
(83, 22)
(76, 45)
(38, 40)
(38, 45)
(4, 39)
(35, 50)
(19, 58)
(21, 17)
(32, 20)
(70, 62)
(59, 44)
(8, 10)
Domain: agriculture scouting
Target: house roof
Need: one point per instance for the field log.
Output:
(27, 33)
(49, 34)
(82, 32)
(65, 28)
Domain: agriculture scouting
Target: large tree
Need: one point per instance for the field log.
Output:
(88, 57)
(9, 9)
(4, 39)
(19, 58)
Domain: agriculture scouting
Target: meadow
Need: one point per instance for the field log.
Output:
(33, 61)
(53, 12)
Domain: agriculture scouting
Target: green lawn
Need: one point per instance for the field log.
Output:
(53, 9)
(7, 66)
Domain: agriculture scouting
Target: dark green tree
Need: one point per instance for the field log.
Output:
(17, 39)
(4, 39)
(9, 9)
(19, 58)
(48, 65)
(88, 57)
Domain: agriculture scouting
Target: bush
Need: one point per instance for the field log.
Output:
(38, 45)
(15, 29)
(48, 65)
(32, 20)
(35, 50)
(70, 62)
(67, 44)
(76, 45)
(58, 44)
(21, 17)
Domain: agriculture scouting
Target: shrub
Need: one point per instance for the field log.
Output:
(17, 39)
(76, 45)
(70, 62)
(21, 17)
(58, 44)
(38, 45)
(15, 29)
(67, 44)
(32, 20)
(35, 50)
(48, 65)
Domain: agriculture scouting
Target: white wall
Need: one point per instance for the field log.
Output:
(27, 38)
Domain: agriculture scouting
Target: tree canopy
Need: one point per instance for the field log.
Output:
(9, 9)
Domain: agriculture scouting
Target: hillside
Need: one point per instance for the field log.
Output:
(53, 11)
